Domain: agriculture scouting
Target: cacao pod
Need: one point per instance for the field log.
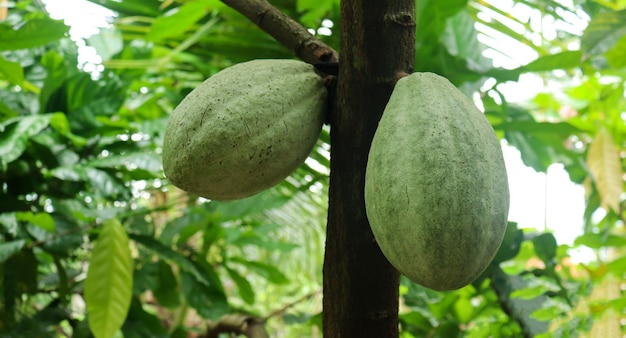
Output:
(244, 129)
(436, 188)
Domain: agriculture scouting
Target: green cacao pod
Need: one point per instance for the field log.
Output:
(244, 129)
(436, 189)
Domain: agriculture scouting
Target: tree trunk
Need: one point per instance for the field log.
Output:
(360, 286)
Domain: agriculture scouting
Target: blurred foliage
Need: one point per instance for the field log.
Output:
(81, 149)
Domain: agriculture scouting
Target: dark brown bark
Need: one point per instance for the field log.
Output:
(360, 286)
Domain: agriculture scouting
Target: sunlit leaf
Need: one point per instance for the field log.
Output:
(604, 30)
(108, 286)
(177, 24)
(131, 7)
(597, 241)
(616, 56)
(40, 219)
(603, 160)
(108, 43)
(563, 60)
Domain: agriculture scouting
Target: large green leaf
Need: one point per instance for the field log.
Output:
(16, 133)
(33, 33)
(108, 287)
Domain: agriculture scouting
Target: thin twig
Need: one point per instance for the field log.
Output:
(285, 30)
(292, 304)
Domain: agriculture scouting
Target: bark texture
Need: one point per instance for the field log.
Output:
(360, 286)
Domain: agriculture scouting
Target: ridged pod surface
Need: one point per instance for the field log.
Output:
(244, 129)
(436, 189)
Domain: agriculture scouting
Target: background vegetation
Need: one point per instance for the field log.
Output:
(80, 160)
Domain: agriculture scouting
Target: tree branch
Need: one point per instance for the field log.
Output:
(248, 326)
(285, 30)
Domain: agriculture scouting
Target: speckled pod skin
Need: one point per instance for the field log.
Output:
(244, 129)
(436, 189)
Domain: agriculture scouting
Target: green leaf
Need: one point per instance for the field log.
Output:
(511, 244)
(461, 39)
(616, 56)
(9, 223)
(11, 71)
(9, 249)
(463, 310)
(108, 43)
(604, 30)
(60, 123)
(101, 181)
(16, 133)
(141, 323)
(167, 291)
(563, 60)
(208, 301)
(597, 241)
(519, 309)
(166, 253)
(545, 247)
(33, 33)
(108, 286)
(618, 266)
(130, 161)
(40, 219)
(314, 11)
(249, 206)
(177, 24)
(149, 8)
(245, 288)
(603, 161)
(270, 272)
(56, 74)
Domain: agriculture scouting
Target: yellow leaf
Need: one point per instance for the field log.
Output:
(604, 163)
